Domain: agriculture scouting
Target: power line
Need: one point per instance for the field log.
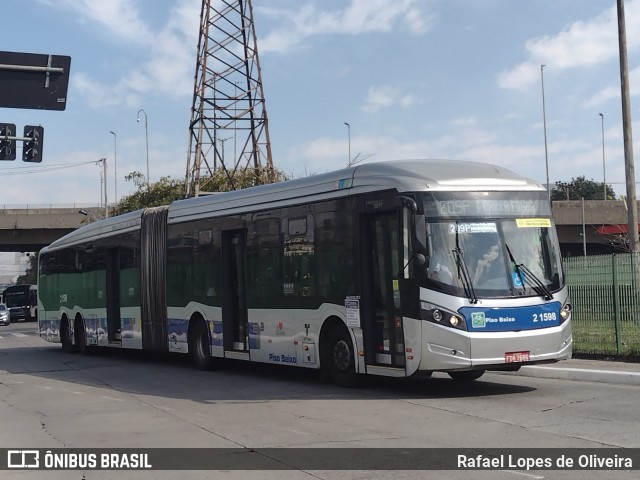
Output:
(34, 169)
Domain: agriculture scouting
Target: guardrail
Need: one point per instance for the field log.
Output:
(30, 208)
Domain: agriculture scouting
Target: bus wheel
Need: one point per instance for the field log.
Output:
(199, 346)
(467, 376)
(81, 338)
(341, 358)
(65, 337)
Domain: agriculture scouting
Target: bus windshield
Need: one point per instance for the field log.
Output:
(504, 257)
(16, 299)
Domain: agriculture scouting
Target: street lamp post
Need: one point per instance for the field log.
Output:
(104, 175)
(544, 126)
(146, 136)
(349, 140)
(87, 213)
(115, 164)
(604, 174)
(222, 140)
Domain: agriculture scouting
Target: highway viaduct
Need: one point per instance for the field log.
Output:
(28, 229)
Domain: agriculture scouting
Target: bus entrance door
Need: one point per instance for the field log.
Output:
(234, 307)
(113, 295)
(381, 267)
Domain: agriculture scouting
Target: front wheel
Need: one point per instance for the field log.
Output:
(341, 359)
(466, 376)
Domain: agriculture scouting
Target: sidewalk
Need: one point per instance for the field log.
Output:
(621, 373)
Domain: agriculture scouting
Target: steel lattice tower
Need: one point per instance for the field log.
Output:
(229, 128)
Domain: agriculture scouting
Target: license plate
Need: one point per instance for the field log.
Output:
(516, 357)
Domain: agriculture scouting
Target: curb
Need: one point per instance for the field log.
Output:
(582, 374)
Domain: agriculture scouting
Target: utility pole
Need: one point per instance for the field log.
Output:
(632, 210)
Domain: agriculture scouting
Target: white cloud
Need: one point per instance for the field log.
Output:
(360, 16)
(613, 91)
(386, 96)
(581, 44)
(464, 121)
(171, 62)
(119, 16)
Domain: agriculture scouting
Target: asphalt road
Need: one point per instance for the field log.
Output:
(50, 399)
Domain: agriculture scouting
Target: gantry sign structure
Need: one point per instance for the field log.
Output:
(229, 128)
(33, 81)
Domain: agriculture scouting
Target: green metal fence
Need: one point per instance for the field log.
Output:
(605, 293)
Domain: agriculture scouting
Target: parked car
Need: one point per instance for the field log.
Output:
(4, 315)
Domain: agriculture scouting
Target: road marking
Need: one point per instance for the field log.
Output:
(111, 398)
(530, 475)
(18, 334)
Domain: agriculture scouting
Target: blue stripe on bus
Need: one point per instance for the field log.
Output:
(501, 319)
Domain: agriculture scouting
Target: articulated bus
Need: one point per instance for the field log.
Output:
(391, 268)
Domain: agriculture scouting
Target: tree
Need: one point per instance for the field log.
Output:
(162, 192)
(167, 189)
(224, 181)
(580, 187)
(30, 276)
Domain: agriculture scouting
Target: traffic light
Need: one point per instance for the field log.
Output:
(7, 147)
(32, 148)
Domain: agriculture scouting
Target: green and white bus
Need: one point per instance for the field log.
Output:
(391, 268)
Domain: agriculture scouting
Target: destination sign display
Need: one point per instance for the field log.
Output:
(486, 204)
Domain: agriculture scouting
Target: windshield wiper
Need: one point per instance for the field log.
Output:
(463, 273)
(538, 284)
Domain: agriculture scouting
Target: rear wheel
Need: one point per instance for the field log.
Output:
(467, 376)
(65, 336)
(200, 346)
(81, 337)
(341, 358)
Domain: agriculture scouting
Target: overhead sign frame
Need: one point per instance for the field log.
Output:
(34, 81)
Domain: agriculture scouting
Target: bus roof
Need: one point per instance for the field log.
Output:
(102, 228)
(400, 175)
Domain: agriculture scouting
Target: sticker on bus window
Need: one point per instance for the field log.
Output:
(533, 222)
(472, 228)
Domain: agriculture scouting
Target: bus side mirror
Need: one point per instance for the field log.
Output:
(419, 260)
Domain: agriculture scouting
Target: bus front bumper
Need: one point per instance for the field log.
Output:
(448, 349)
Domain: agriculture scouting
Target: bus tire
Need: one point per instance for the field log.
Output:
(65, 337)
(200, 346)
(341, 358)
(81, 337)
(466, 376)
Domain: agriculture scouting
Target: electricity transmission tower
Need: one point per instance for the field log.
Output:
(228, 129)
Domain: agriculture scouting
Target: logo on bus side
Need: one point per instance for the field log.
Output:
(478, 320)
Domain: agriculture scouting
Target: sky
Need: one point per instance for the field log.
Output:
(452, 79)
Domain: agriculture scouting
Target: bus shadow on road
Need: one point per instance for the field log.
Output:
(173, 376)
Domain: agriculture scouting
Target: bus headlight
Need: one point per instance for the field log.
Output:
(441, 316)
(565, 312)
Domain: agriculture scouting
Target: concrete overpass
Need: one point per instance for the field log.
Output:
(25, 228)
(597, 213)
(29, 228)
